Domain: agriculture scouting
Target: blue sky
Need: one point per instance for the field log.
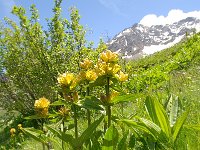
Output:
(105, 17)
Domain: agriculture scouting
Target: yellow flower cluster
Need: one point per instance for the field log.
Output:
(103, 68)
(109, 57)
(91, 75)
(121, 76)
(41, 106)
(64, 111)
(86, 64)
(107, 65)
(87, 74)
(19, 126)
(66, 79)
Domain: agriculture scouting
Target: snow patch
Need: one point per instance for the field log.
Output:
(141, 29)
(111, 42)
(126, 42)
(155, 48)
(118, 51)
(127, 31)
(123, 32)
(119, 35)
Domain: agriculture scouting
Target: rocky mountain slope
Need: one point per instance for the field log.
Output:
(140, 40)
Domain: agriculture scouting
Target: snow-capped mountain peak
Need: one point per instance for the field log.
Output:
(140, 40)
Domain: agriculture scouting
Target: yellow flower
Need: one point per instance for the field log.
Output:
(74, 83)
(64, 111)
(42, 103)
(109, 56)
(65, 79)
(80, 77)
(86, 64)
(41, 106)
(114, 94)
(19, 126)
(121, 76)
(112, 69)
(103, 68)
(91, 75)
(108, 99)
(100, 68)
(12, 131)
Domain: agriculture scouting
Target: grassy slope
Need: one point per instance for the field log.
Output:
(174, 71)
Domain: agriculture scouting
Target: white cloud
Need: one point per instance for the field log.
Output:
(174, 15)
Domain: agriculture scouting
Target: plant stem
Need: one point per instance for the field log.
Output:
(88, 111)
(42, 122)
(122, 104)
(108, 110)
(75, 121)
(62, 130)
(109, 115)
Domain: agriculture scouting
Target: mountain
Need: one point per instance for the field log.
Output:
(140, 40)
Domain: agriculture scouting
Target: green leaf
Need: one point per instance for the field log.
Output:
(154, 128)
(134, 125)
(132, 141)
(122, 144)
(158, 114)
(35, 134)
(40, 117)
(95, 140)
(56, 142)
(63, 136)
(34, 117)
(58, 103)
(110, 138)
(124, 98)
(90, 102)
(100, 81)
(178, 125)
(193, 127)
(173, 109)
(88, 132)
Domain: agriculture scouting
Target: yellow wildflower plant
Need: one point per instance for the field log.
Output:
(91, 75)
(64, 111)
(86, 64)
(80, 77)
(103, 68)
(42, 103)
(19, 126)
(114, 94)
(66, 79)
(112, 69)
(108, 100)
(109, 57)
(41, 106)
(100, 68)
(121, 76)
(75, 96)
(74, 83)
(12, 132)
